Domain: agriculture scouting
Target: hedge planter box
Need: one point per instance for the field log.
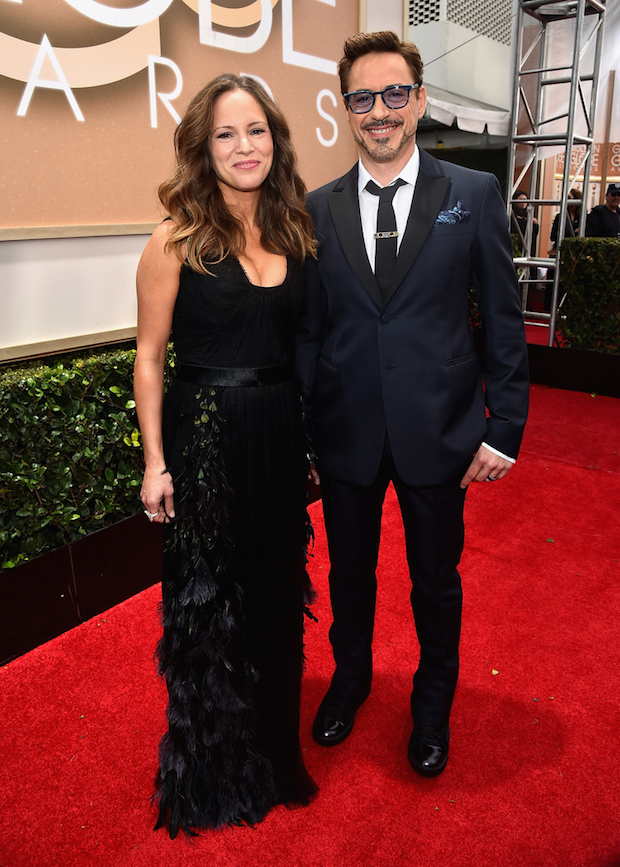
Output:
(589, 315)
(575, 369)
(70, 451)
(51, 594)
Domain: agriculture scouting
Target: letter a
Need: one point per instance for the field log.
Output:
(61, 83)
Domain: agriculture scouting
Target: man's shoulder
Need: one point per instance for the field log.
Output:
(463, 173)
(323, 192)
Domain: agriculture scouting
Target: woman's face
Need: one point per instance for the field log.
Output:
(240, 143)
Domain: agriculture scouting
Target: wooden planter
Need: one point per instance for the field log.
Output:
(575, 369)
(51, 594)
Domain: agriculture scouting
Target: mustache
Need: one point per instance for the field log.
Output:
(378, 124)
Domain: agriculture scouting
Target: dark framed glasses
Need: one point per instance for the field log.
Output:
(395, 96)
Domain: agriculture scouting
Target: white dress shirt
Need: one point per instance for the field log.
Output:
(403, 198)
(369, 203)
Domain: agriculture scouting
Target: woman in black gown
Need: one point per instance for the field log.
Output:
(225, 459)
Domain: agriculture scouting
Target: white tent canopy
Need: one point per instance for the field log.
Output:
(470, 114)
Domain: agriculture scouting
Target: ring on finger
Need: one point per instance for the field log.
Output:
(150, 515)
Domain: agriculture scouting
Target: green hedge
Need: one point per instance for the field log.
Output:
(70, 451)
(589, 317)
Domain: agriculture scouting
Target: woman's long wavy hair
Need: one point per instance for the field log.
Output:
(206, 231)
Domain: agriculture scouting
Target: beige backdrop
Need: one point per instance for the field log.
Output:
(60, 171)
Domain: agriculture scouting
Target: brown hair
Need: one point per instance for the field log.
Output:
(382, 41)
(205, 227)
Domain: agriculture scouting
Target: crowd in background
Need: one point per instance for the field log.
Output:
(603, 221)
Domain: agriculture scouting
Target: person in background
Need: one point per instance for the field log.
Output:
(571, 229)
(392, 379)
(573, 211)
(518, 223)
(225, 456)
(518, 227)
(603, 221)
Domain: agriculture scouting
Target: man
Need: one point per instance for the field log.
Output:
(603, 221)
(391, 376)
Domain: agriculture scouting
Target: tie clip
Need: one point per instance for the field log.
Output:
(379, 235)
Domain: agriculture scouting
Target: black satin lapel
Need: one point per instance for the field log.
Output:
(345, 213)
(428, 198)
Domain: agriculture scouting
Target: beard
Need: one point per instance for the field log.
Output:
(383, 151)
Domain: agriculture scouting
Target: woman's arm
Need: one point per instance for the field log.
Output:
(158, 285)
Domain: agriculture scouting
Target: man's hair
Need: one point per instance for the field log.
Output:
(205, 230)
(381, 42)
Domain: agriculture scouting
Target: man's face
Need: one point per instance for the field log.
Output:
(612, 200)
(385, 135)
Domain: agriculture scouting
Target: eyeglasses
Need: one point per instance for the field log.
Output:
(395, 96)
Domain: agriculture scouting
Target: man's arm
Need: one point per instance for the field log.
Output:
(504, 349)
(593, 224)
(310, 333)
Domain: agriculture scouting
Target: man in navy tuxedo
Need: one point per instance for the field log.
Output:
(392, 382)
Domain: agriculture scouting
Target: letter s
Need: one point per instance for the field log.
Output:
(332, 141)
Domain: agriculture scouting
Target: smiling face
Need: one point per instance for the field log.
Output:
(385, 136)
(240, 143)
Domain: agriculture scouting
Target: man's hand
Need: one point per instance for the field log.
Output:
(486, 465)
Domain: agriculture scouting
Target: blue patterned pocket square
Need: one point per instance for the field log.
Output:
(456, 215)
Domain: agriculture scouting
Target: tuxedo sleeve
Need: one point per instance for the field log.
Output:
(310, 334)
(504, 348)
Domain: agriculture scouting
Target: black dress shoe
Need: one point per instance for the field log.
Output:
(334, 720)
(428, 749)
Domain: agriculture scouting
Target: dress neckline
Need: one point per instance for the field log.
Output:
(257, 285)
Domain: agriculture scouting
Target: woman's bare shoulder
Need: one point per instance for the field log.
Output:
(159, 259)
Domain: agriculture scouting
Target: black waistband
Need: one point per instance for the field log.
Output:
(233, 376)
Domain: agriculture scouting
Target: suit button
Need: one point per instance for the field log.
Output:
(385, 318)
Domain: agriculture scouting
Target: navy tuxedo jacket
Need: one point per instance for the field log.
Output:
(407, 365)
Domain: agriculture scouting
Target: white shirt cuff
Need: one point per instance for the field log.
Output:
(499, 454)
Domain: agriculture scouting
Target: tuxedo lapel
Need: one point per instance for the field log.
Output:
(345, 213)
(430, 192)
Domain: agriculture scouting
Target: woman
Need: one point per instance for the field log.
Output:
(225, 459)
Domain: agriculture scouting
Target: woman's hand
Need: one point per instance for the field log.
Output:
(157, 494)
(313, 475)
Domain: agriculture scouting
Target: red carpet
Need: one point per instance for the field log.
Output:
(538, 334)
(534, 774)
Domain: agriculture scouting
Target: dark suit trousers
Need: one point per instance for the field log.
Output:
(433, 521)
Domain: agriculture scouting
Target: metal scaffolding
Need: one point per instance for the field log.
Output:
(537, 124)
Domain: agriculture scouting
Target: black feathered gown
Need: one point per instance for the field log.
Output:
(234, 579)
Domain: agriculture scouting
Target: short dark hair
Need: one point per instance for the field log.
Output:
(381, 42)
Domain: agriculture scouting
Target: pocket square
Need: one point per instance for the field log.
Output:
(456, 215)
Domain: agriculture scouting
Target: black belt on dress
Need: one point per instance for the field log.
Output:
(233, 376)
